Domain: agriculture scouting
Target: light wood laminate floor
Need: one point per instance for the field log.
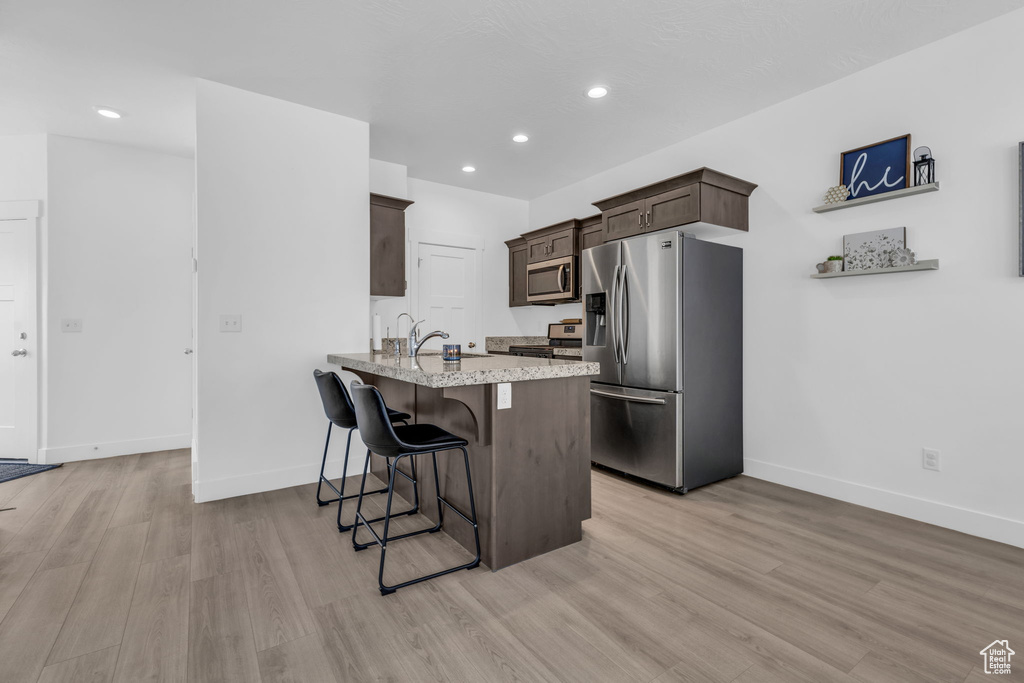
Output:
(109, 573)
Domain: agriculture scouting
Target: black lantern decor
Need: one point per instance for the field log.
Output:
(924, 166)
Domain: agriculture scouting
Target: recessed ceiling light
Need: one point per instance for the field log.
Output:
(108, 112)
(520, 138)
(468, 169)
(597, 91)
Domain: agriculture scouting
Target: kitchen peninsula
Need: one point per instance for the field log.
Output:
(530, 461)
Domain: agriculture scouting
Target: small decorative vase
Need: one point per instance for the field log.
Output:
(833, 266)
(820, 267)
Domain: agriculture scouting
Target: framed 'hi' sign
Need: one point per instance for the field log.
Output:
(875, 169)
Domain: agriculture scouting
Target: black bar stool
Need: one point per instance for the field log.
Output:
(385, 439)
(339, 410)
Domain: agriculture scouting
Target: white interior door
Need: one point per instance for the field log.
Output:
(449, 295)
(19, 343)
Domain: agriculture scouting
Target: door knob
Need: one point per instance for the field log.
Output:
(188, 352)
(19, 352)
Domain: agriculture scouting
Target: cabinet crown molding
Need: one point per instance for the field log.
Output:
(701, 175)
(550, 229)
(390, 202)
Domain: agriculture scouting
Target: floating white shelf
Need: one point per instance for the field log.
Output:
(930, 264)
(905, 192)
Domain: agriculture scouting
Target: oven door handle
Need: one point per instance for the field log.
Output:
(632, 399)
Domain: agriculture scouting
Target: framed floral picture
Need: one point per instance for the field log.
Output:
(871, 250)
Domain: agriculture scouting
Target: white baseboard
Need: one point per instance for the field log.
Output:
(52, 456)
(257, 482)
(971, 522)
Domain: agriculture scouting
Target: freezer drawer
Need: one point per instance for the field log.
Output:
(638, 432)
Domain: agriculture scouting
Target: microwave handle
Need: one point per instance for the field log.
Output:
(561, 279)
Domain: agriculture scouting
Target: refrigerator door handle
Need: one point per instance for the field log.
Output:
(633, 399)
(623, 307)
(612, 312)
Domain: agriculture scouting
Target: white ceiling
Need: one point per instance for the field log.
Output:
(446, 83)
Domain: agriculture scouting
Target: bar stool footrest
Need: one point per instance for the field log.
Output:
(388, 590)
(458, 512)
(377, 539)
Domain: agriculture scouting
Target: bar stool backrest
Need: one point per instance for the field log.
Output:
(337, 403)
(375, 429)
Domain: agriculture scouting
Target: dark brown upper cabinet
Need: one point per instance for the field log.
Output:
(704, 202)
(624, 220)
(591, 232)
(554, 241)
(387, 245)
(517, 272)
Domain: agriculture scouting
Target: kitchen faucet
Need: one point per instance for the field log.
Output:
(398, 322)
(414, 346)
(398, 330)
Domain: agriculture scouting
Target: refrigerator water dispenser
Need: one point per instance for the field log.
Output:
(595, 319)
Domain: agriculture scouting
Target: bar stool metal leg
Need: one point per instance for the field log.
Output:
(392, 471)
(384, 539)
(342, 497)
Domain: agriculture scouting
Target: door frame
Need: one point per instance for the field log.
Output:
(452, 240)
(30, 212)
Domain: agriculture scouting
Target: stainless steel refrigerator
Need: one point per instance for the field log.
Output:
(664, 318)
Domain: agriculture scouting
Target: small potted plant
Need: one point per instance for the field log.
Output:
(834, 264)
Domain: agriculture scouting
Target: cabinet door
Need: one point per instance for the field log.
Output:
(387, 251)
(623, 221)
(673, 208)
(517, 276)
(562, 244)
(591, 237)
(538, 249)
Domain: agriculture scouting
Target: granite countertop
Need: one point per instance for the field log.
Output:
(431, 371)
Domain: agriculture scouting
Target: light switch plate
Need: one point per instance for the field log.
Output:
(504, 395)
(231, 323)
(71, 325)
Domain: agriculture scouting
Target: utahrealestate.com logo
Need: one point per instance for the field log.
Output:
(997, 657)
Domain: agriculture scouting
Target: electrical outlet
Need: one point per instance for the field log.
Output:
(71, 325)
(930, 460)
(504, 395)
(231, 323)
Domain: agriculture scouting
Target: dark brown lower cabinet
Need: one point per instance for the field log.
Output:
(387, 245)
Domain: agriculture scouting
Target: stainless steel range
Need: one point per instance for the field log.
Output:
(560, 335)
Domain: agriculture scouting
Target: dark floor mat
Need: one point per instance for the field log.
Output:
(15, 469)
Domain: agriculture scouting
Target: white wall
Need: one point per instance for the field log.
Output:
(469, 217)
(389, 179)
(118, 257)
(22, 167)
(114, 244)
(283, 240)
(847, 379)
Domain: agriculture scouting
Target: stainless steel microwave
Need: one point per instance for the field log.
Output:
(552, 282)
